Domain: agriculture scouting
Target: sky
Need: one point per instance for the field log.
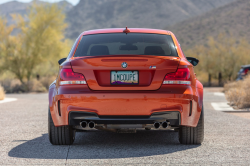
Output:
(73, 2)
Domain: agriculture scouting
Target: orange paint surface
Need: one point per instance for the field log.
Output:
(149, 96)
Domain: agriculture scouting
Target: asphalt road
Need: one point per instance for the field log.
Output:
(24, 140)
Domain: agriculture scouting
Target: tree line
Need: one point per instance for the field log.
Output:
(221, 57)
(34, 44)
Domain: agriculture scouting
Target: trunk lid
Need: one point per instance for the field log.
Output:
(151, 70)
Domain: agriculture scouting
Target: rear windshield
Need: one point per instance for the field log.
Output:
(126, 44)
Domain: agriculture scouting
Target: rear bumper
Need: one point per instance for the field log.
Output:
(69, 106)
(75, 117)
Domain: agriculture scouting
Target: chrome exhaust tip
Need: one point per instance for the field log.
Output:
(157, 125)
(164, 124)
(91, 124)
(83, 124)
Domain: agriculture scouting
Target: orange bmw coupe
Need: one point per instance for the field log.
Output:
(123, 80)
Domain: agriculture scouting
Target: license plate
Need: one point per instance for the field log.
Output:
(124, 77)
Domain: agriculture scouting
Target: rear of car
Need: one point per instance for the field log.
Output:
(124, 80)
(243, 72)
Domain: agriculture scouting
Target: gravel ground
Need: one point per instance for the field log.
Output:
(243, 114)
(24, 140)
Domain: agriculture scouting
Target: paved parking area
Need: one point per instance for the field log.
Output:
(24, 140)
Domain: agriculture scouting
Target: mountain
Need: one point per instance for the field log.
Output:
(16, 7)
(233, 18)
(98, 14)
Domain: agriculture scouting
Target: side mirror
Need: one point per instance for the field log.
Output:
(61, 61)
(193, 61)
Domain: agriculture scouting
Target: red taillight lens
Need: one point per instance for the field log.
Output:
(68, 77)
(245, 71)
(181, 76)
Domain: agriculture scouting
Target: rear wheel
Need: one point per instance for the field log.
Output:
(192, 135)
(63, 135)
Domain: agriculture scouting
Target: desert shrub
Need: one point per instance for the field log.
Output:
(36, 86)
(231, 85)
(2, 93)
(238, 93)
(46, 81)
(15, 86)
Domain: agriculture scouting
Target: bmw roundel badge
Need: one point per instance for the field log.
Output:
(124, 65)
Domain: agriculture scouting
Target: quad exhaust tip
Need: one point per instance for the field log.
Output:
(91, 124)
(83, 124)
(157, 125)
(164, 124)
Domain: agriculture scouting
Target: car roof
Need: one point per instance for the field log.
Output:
(245, 66)
(132, 30)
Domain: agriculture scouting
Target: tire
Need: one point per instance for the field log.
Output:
(192, 135)
(63, 135)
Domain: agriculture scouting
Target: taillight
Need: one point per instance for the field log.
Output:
(245, 71)
(181, 76)
(68, 77)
